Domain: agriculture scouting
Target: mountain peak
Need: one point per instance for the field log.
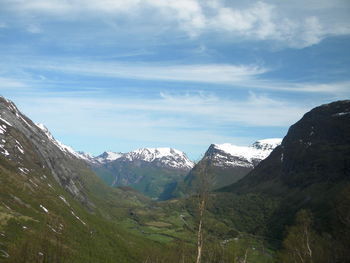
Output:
(227, 154)
(107, 156)
(163, 156)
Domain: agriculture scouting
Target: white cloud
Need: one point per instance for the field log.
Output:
(289, 24)
(264, 21)
(335, 88)
(188, 13)
(255, 19)
(207, 73)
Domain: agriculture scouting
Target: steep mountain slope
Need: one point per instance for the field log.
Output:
(34, 149)
(309, 170)
(50, 201)
(149, 170)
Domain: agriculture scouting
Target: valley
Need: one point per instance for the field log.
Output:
(58, 205)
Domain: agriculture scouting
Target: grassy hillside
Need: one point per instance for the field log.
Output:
(150, 180)
(38, 217)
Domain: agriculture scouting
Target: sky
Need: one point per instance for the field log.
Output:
(118, 75)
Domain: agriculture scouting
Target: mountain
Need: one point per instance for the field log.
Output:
(315, 150)
(226, 163)
(64, 148)
(309, 170)
(50, 200)
(160, 157)
(149, 170)
(34, 149)
(105, 157)
(229, 155)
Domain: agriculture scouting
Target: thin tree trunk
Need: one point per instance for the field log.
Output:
(308, 244)
(245, 256)
(200, 232)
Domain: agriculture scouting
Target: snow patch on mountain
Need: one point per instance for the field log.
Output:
(5, 121)
(64, 148)
(107, 157)
(246, 156)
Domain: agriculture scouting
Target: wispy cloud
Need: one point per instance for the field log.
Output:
(334, 88)
(254, 110)
(210, 73)
(229, 76)
(290, 25)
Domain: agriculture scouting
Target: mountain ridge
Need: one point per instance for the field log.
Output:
(163, 156)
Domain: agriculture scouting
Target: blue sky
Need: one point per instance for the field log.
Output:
(119, 75)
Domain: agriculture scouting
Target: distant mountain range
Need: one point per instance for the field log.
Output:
(156, 172)
(149, 170)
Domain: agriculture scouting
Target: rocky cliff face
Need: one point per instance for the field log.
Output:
(32, 148)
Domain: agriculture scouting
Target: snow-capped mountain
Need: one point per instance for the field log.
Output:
(160, 157)
(229, 155)
(166, 157)
(227, 163)
(149, 170)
